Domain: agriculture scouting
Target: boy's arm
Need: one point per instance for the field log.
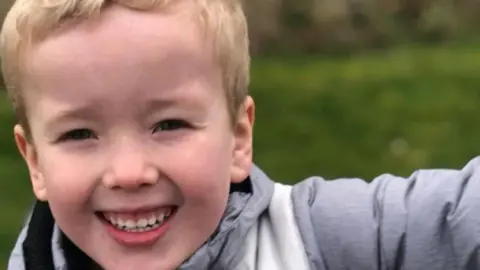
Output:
(429, 221)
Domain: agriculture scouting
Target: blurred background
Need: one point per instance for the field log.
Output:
(344, 88)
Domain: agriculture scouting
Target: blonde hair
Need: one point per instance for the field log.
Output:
(30, 21)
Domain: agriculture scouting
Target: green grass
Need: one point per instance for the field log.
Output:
(14, 186)
(363, 115)
(360, 116)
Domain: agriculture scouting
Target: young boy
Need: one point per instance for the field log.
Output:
(136, 126)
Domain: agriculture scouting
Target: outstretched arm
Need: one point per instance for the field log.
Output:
(430, 220)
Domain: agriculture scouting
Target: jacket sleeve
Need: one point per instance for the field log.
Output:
(430, 220)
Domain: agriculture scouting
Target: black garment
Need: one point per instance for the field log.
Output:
(37, 247)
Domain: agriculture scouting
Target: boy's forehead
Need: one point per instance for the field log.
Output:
(123, 43)
(122, 35)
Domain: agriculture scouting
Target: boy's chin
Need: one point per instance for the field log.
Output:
(136, 263)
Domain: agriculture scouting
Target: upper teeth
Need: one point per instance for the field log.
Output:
(153, 221)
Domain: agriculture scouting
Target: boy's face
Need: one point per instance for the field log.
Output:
(130, 123)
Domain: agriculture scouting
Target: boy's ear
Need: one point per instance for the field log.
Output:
(242, 152)
(29, 154)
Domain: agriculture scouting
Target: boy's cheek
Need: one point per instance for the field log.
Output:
(67, 179)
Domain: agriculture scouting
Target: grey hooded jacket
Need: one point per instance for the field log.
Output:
(430, 221)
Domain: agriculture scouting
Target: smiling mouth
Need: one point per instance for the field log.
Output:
(140, 228)
(138, 222)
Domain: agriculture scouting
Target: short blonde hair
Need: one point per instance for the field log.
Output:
(30, 21)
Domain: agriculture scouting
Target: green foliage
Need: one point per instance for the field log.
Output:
(350, 26)
(363, 115)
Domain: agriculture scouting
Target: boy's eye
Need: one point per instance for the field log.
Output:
(170, 125)
(77, 135)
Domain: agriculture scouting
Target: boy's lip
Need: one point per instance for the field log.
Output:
(134, 238)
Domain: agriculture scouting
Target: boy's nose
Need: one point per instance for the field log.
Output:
(130, 169)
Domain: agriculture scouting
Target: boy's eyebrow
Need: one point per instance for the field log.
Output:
(155, 104)
(81, 112)
(165, 103)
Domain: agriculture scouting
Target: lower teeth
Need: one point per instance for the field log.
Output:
(144, 229)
